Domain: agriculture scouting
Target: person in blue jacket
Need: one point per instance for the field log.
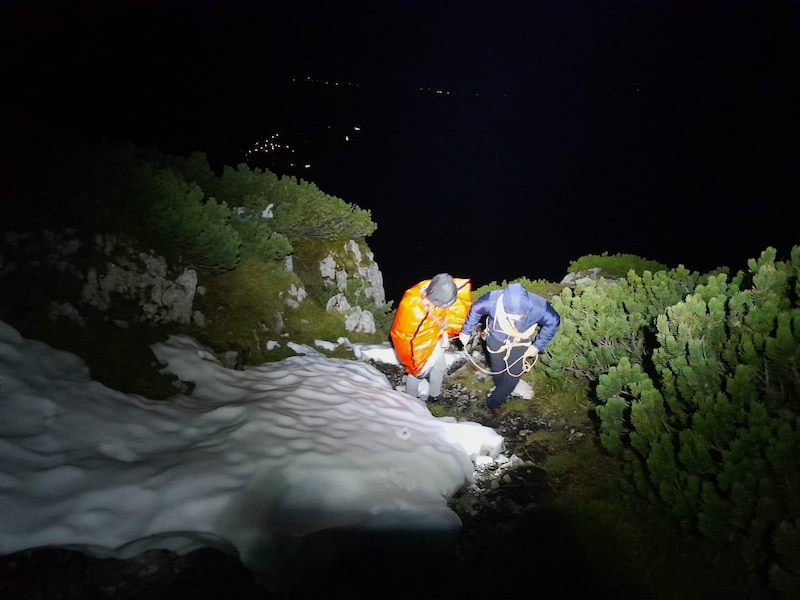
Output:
(519, 325)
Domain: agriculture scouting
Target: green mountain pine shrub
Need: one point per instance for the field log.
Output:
(712, 431)
(171, 216)
(602, 324)
(180, 209)
(301, 210)
(616, 265)
(546, 289)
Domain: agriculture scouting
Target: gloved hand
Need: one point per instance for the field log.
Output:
(531, 351)
(464, 338)
(445, 340)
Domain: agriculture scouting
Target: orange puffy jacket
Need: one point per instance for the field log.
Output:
(418, 325)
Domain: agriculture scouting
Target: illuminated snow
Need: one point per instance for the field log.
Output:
(250, 458)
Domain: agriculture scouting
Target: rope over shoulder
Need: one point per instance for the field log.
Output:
(526, 365)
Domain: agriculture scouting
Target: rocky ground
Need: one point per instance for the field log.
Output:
(509, 543)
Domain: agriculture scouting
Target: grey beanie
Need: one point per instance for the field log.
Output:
(442, 290)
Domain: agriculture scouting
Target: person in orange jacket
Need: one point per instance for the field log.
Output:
(428, 316)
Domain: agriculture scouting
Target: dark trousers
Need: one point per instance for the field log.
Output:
(510, 370)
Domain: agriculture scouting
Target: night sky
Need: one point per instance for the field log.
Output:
(496, 139)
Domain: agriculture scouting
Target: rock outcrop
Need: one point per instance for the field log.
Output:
(115, 277)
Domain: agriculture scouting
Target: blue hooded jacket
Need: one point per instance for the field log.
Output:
(516, 301)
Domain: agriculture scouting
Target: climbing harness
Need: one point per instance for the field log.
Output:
(504, 323)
